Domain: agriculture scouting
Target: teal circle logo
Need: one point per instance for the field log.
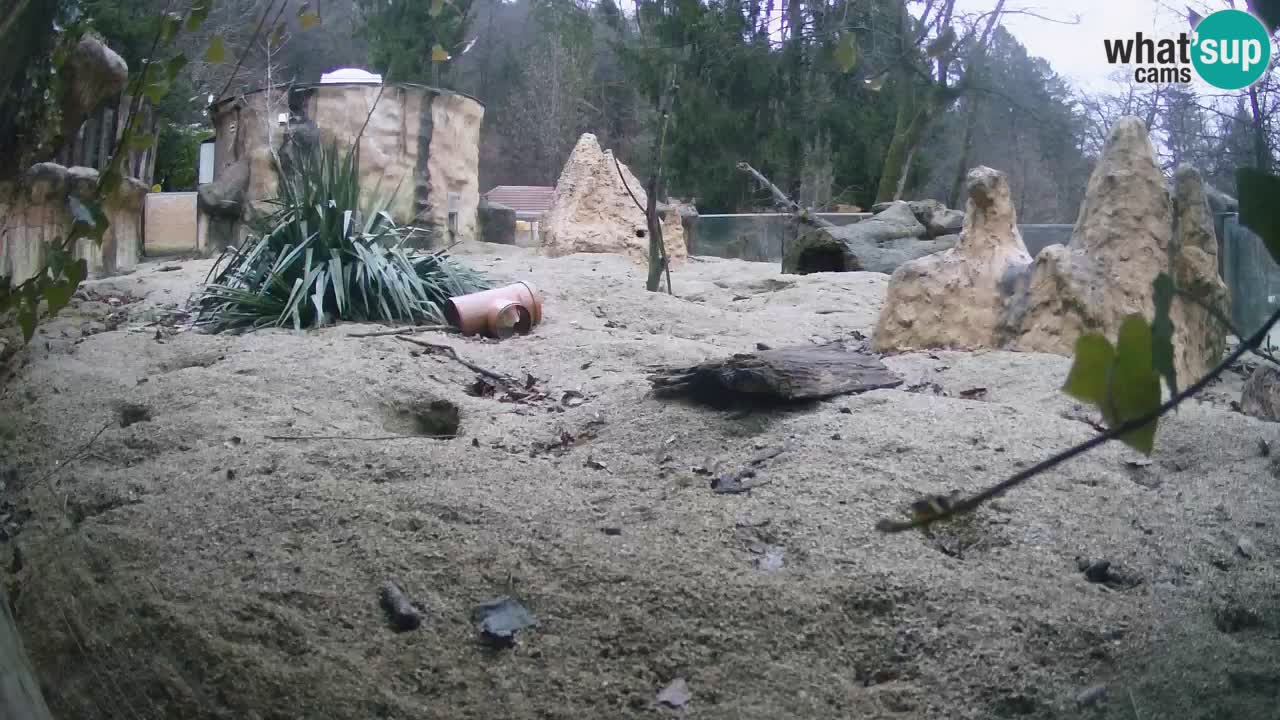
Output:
(1231, 49)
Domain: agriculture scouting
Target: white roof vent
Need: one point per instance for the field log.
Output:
(350, 75)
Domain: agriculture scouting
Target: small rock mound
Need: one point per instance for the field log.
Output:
(593, 212)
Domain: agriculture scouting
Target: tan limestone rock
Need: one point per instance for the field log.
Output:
(1199, 340)
(1119, 245)
(963, 297)
(593, 212)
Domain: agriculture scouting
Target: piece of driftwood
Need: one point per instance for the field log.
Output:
(806, 372)
(781, 200)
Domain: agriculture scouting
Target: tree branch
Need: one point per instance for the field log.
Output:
(972, 502)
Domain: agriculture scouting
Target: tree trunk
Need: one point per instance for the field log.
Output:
(1261, 148)
(908, 132)
(20, 697)
(955, 199)
(26, 37)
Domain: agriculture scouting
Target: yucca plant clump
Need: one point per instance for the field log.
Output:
(320, 255)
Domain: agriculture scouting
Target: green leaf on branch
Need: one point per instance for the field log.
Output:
(1162, 332)
(279, 35)
(437, 7)
(156, 90)
(1259, 210)
(1087, 380)
(176, 65)
(170, 24)
(199, 13)
(216, 53)
(439, 54)
(306, 17)
(142, 142)
(1121, 381)
(58, 294)
(27, 319)
(846, 52)
(88, 219)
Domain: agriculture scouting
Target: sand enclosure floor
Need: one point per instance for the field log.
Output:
(189, 566)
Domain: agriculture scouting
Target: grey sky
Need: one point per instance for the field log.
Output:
(1076, 51)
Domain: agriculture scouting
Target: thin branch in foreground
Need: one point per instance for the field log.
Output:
(964, 505)
(84, 450)
(405, 331)
(453, 354)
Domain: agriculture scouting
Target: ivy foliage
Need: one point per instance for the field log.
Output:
(53, 287)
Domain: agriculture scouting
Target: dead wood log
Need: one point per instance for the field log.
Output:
(807, 372)
(780, 198)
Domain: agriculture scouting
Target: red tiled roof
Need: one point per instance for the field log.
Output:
(529, 201)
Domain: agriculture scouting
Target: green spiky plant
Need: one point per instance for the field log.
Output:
(320, 255)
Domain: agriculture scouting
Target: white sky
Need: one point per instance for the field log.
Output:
(1076, 51)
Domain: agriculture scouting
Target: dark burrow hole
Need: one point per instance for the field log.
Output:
(426, 418)
(821, 259)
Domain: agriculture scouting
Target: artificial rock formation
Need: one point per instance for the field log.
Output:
(1127, 233)
(421, 145)
(1199, 340)
(965, 296)
(880, 243)
(1124, 237)
(593, 212)
(35, 209)
(94, 73)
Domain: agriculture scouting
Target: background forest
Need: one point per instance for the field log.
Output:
(841, 101)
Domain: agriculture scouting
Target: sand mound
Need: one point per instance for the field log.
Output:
(195, 565)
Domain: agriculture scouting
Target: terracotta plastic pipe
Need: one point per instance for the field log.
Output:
(500, 312)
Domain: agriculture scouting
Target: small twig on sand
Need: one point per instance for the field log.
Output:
(731, 483)
(84, 450)
(406, 331)
(433, 347)
(303, 438)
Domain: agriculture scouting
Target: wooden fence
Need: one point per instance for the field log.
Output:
(93, 146)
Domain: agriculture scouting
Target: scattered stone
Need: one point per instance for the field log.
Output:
(170, 268)
(1091, 696)
(1260, 397)
(612, 531)
(1232, 617)
(594, 464)
(572, 398)
(675, 695)
(500, 619)
(1264, 448)
(771, 558)
(974, 393)
(402, 613)
(1246, 549)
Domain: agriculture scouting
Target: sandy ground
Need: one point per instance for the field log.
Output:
(190, 566)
